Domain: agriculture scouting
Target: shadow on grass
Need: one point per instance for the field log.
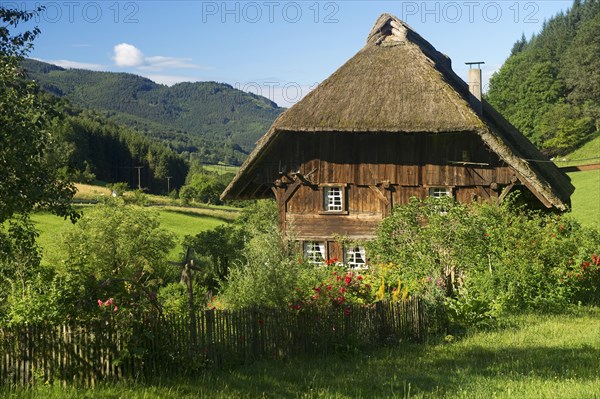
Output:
(388, 372)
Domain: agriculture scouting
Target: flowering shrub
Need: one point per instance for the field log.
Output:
(506, 258)
(110, 304)
(585, 280)
(340, 287)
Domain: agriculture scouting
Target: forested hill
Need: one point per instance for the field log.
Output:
(549, 87)
(216, 120)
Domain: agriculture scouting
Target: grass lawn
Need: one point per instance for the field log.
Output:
(181, 222)
(221, 169)
(185, 223)
(532, 356)
(585, 200)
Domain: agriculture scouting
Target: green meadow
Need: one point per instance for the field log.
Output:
(180, 221)
(588, 153)
(585, 200)
(529, 356)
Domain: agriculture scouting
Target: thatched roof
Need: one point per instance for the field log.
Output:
(400, 83)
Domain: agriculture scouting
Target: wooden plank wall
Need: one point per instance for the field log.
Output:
(400, 166)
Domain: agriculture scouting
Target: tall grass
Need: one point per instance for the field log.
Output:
(532, 356)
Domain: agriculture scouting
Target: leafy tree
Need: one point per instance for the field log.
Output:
(581, 68)
(204, 187)
(119, 251)
(29, 179)
(217, 250)
(519, 45)
(564, 128)
(29, 173)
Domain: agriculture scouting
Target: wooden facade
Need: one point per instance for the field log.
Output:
(376, 171)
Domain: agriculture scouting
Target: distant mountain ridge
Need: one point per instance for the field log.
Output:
(215, 120)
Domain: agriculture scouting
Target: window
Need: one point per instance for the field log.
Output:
(355, 257)
(440, 192)
(333, 199)
(314, 251)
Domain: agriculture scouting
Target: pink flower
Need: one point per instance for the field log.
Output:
(100, 303)
(116, 308)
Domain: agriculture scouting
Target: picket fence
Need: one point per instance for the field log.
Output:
(111, 349)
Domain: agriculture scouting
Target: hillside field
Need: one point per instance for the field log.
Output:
(589, 153)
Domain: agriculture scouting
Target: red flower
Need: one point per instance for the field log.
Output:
(347, 311)
(261, 321)
(342, 289)
(348, 280)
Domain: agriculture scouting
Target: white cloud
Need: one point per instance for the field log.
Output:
(127, 55)
(75, 64)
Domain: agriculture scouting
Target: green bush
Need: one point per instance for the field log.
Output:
(118, 251)
(507, 258)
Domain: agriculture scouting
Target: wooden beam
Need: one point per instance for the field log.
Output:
(290, 191)
(386, 201)
(506, 190)
(485, 193)
(380, 195)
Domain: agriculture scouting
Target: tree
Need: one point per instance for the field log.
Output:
(29, 174)
(119, 251)
(565, 127)
(29, 179)
(204, 187)
(581, 68)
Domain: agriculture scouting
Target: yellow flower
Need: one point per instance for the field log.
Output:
(405, 293)
(381, 291)
(397, 292)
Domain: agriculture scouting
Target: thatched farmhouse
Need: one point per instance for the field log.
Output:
(393, 122)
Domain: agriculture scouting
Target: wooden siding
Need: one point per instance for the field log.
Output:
(377, 171)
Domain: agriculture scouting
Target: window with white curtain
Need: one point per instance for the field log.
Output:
(354, 256)
(314, 251)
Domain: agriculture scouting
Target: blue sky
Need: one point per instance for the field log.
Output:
(280, 49)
